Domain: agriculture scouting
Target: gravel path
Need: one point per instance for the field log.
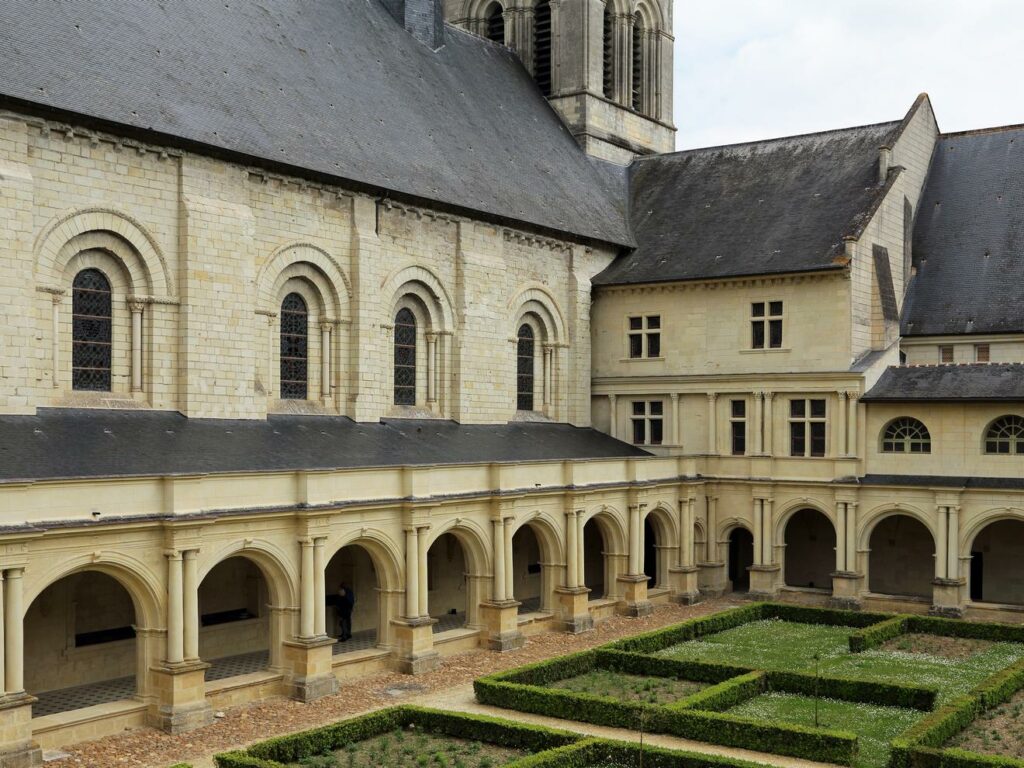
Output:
(150, 748)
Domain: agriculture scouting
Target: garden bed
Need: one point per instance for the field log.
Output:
(998, 731)
(411, 748)
(627, 687)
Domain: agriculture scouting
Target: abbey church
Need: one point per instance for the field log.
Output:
(414, 301)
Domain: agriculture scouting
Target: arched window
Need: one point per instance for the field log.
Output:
(906, 435)
(405, 357)
(92, 325)
(542, 46)
(609, 51)
(294, 348)
(1006, 436)
(524, 369)
(638, 63)
(495, 21)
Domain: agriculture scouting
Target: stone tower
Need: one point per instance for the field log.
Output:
(605, 65)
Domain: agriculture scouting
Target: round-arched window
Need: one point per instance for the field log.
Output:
(91, 331)
(525, 344)
(405, 357)
(1005, 436)
(906, 435)
(294, 348)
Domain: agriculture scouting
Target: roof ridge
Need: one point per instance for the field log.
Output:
(983, 131)
(776, 139)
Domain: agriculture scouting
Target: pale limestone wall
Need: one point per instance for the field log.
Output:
(957, 431)
(924, 350)
(207, 250)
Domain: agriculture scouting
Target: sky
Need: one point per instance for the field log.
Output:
(757, 69)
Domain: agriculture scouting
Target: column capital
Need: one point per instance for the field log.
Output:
(712, 397)
(573, 512)
(136, 305)
(674, 396)
(852, 395)
(431, 336)
(173, 554)
(189, 554)
(613, 398)
(768, 395)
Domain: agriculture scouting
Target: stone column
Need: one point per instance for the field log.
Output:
(413, 634)
(571, 568)
(422, 543)
(841, 536)
(758, 522)
(175, 628)
(14, 626)
(846, 580)
(509, 570)
(3, 639)
(613, 415)
(674, 432)
(712, 424)
(431, 368)
(548, 376)
(319, 589)
(581, 560)
(55, 337)
(768, 555)
(947, 590)
(635, 544)
(273, 349)
(307, 619)
(136, 308)
(190, 605)
(325, 361)
(842, 415)
(953, 544)
(684, 577)
(769, 415)
(498, 586)
(412, 573)
(942, 532)
(758, 425)
(764, 573)
(634, 583)
(851, 423)
(573, 610)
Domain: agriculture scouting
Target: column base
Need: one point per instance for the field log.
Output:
(764, 582)
(501, 625)
(414, 645)
(947, 598)
(684, 585)
(17, 750)
(573, 609)
(634, 595)
(181, 697)
(712, 575)
(310, 668)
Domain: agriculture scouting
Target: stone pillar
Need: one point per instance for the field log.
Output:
(501, 615)
(14, 635)
(17, 750)
(509, 570)
(769, 416)
(3, 639)
(431, 369)
(846, 579)
(635, 540)
(758, 425)
(325, 361)
(851, 423)
(948, 587)
(319, 589)
(307, 619)
(573, 598)
(712, 424)
(613, 415)
(55, 337)
(498, 585)
(423, 544)
(634, 583)
(684, 576)
(175, 629)
(764, 573)
(308, 659)
(548, 376)
(842, 416)
(712, 569)
(273, 349)
(190, 605)
(674, 435)
(412, 570)
(136, 310)
(840, 536)
(414, 633)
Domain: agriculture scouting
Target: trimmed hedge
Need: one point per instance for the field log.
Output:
(601, 753)
(997, 633)
(802, 614)
(859, 691)
(631, 663)
(719, 698)
(877, 634)
(690, 629)
(552, 670)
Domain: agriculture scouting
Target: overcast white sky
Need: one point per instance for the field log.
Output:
(755, 69)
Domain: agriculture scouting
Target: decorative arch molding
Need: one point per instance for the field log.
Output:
(786, 513)
(383, 551)
(871, 520)
(269, 558)
(654, 15)
(473, 540)
(326, 274)
(667, 520)
(537, 300)
(419, 281)
(726, 527)
(50, 247)
(547, 531)
(612, 525)
(983, 521)
(139, 582)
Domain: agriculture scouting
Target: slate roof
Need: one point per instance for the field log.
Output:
(59, 443)
(943, 481)
(766, 207)
(336, 89)
(979, 381)
(969, 238)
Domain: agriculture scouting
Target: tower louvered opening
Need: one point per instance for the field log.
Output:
(495, 18)
(542, 47)
(638, 63)
(609, 52)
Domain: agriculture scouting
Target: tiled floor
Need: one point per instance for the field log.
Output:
(529, 605)
(232, 666)
(360, 641)
(66, 699)
(449, 621)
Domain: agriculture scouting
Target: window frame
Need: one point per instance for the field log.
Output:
(890, 440)
(643, 333)
(647, 417)
(738, 421)
(943, 348)
(522, 404)
(299, 387)
(409, 343)
(807, 425)
(767, 324)
(979, 354)
(79, 342)
(1014, 441)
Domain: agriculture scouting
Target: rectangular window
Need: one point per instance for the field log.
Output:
(982, 353)
(807, 419)
(946, 354)
(766, 325)
(738, 427)
(644, 336)
(648, 426)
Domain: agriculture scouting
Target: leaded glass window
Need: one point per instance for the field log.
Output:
(91, 334)
(524, 368)
(405, 357)
(906, 435)
(294, 348)
(1006, 436)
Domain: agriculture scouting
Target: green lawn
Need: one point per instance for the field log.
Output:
(650, 690)
(414, 749)
(874, 726)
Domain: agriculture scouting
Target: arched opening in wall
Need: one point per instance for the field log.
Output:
(405, 357)
(542, 46)
(700, 544)
(494, 20)
(741, 557)
(595, 561)
(357, 610)
(657, 551)
(234, 619)
(80, 643)
(996, 555)
(901, 560)
(91, 331)
(810, 550)
(294, 348)
(608, 61)
(529, 585)
(637, 84)
(525, 365)
(447, 583)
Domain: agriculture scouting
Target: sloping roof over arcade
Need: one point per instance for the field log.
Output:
(68, 443)
(978, 381)
(766, 207)
(969, 238)
(333, 88)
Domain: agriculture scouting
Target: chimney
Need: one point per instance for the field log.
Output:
(423, 19)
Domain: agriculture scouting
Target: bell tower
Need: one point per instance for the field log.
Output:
(605, 65)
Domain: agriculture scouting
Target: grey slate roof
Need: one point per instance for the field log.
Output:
(86, 443)
(969, 238)
(766, 207)
(979, 381)
(944, 481)
(335, 88)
